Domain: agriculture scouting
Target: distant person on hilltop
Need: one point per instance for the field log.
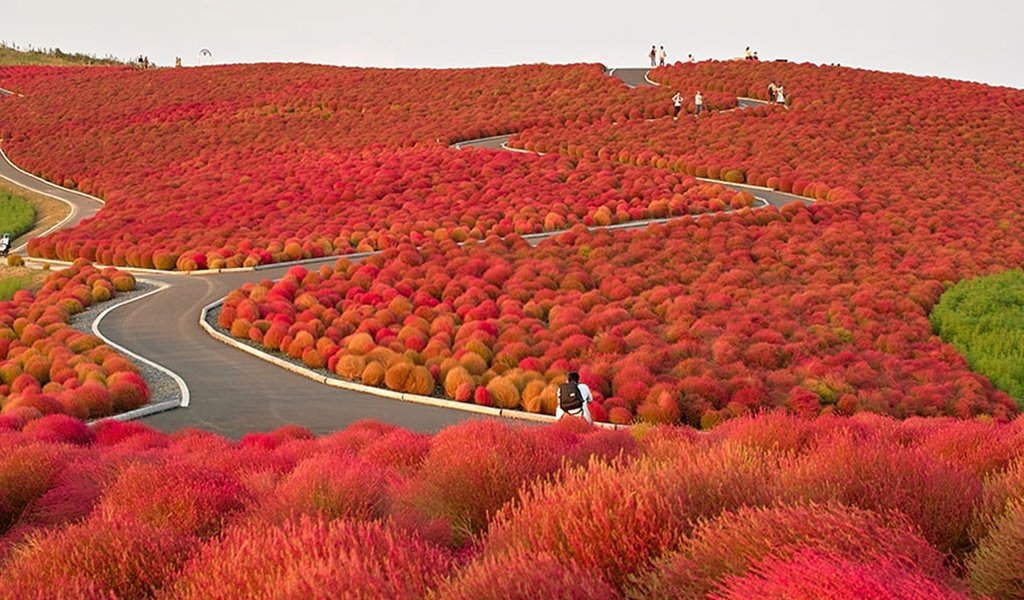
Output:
(677, 105)
(662, 55)
(698, 102)
(755, 55)
(574, 398)
(748, 54)
(690, 58)
(654, 56)
(177, 62)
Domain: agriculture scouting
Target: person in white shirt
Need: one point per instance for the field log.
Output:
(749, 54)
(677, 105)
(698, 102)
(662, 55)
(690, 58)
(780, 95)
(585, 398)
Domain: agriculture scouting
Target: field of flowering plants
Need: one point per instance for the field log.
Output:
(838, 507)
(295, 161)
(48, 367)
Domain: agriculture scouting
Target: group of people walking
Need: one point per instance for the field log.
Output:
(776, 93)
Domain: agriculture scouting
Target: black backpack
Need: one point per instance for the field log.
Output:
(569, 397)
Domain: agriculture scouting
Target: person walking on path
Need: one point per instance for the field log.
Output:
(662, 56)
(780, 95)
(698, 102)
(654, 56)
(677, 105)
(771, 92)
(574, 398)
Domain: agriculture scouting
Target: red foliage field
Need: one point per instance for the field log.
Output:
(742, 325)
(761, 505)
(820, 309)
(297, 161)
(48, 367)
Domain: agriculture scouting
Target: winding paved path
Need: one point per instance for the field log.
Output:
(232, 392)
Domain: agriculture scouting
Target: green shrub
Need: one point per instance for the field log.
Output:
(984, 319)
(17, 215)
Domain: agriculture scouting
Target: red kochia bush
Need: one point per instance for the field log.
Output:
(329, 486)
(810, 575)
(613, 520)
(734, 542)
(122, 558)
(313, 559)
(937, 497)
(188, 499)
(470, 472)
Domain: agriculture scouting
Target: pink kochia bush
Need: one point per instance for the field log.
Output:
(48, 367)
(486, 509)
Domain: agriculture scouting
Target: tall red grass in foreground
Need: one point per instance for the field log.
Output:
(310, 558)
(489, 509)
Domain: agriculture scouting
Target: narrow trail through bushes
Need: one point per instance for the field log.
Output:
(233, 392)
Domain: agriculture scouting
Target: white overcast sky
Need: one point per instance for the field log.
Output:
(978, 40)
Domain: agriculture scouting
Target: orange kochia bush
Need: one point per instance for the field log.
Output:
(294, 161)
(772, 502)
(47, 366)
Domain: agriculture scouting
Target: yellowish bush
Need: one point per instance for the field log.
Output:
(373, 374)
(396, 375)
(532, 396)
(504, 392)
(350, 366)
(420, 382)
(473, 362)
(456, 377)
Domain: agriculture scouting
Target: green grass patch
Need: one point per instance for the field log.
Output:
(17, 215)
(51, 57)
(9, 285)
(984, 319)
